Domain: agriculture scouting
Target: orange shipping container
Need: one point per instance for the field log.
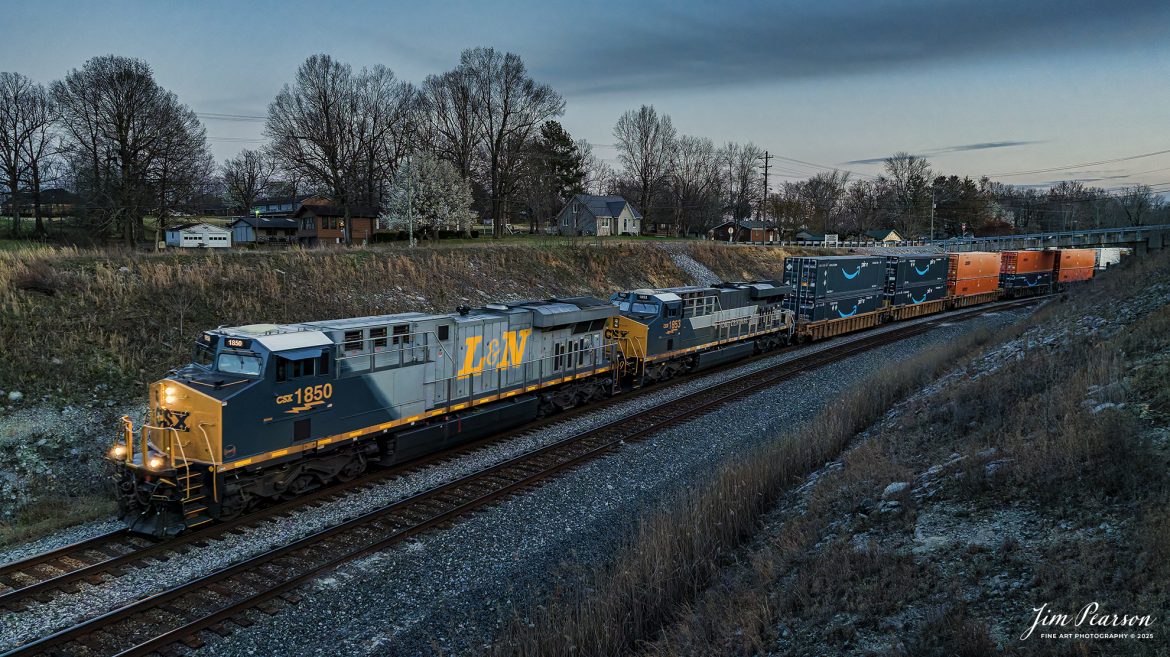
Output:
(1076, 259)
(1073, 275)
(976, 264)
(1028, 262)
(968, 286)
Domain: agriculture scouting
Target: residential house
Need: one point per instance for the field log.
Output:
(318, 225)
(586, 214)
(55, 202)
(264, 230)
(286, 206)
(882, 235)
(198, 235)
(744, 230)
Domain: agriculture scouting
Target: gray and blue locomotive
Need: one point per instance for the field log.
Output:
(271, 411)
(662, 333)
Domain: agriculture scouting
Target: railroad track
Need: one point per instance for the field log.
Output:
(268, 580)
(100, 559)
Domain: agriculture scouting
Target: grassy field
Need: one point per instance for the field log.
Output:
(73, 318)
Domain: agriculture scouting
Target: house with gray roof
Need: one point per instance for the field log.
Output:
(586, 214)
(264, 230)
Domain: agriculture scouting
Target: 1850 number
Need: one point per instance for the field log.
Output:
(314, 393)
(307, 395)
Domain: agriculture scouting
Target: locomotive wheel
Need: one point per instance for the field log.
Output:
(299, 486)
(232, 507)
(352, 469)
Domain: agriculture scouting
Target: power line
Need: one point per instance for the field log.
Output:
(1077, 166)
(822, 166)
(217, 116)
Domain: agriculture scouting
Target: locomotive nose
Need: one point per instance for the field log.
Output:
(187, 421)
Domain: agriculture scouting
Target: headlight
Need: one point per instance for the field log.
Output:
(155, 462)
(169, 395)
(118, 451)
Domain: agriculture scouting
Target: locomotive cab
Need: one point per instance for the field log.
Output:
(168, 470)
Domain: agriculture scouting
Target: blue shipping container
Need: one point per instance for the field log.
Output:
(817, 309)
(917, 294)
(1025, 280)
(834, 277)
(916, 269)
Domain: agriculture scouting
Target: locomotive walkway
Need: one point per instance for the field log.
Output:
(267, 581)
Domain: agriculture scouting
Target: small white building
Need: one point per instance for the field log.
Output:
(199, 236)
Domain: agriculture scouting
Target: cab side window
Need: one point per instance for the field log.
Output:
(288, 370)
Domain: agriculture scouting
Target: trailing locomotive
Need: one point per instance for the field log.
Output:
(662, 333)
(269, 412)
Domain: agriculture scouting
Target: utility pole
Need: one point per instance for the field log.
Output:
(932, 213)
(764, 201)
(409, 207)
(734, 203)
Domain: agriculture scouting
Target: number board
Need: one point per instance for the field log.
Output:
(237, 343)
(208, 340)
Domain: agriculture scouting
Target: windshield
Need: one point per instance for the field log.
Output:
(204, 357)
(638, 308)
(233, 363)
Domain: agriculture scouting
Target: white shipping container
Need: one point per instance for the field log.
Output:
(1107, 257)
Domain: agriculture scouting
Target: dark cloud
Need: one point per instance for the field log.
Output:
(871, 160)
(981, 146)
(694, 45)
(984, 146)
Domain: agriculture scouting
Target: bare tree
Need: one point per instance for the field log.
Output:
(907, 181)
(448, 117)
(340, 130)
(1137, 202)
(598, 174)
(859, 208)
(508, 106)
(133, 147)
(645, 143)
(246, 177)
(823, 194)
(695, 183)
(740, 164)
(26, 120)
(40, 150)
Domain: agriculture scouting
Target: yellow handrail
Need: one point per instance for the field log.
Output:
(214, 463)
(128, 438)
(182, 453)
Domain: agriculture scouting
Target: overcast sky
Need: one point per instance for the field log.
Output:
(995, 86)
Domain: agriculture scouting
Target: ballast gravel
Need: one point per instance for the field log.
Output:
(447, 592)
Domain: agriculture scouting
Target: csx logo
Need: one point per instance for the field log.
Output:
(169, 419)
(495, 355)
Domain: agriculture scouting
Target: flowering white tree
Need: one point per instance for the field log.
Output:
(432, 192)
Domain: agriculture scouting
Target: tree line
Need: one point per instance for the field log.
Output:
(478, 142)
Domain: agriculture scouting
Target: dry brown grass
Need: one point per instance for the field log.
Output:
(53, 512)
(124, 319)
(675, 555)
